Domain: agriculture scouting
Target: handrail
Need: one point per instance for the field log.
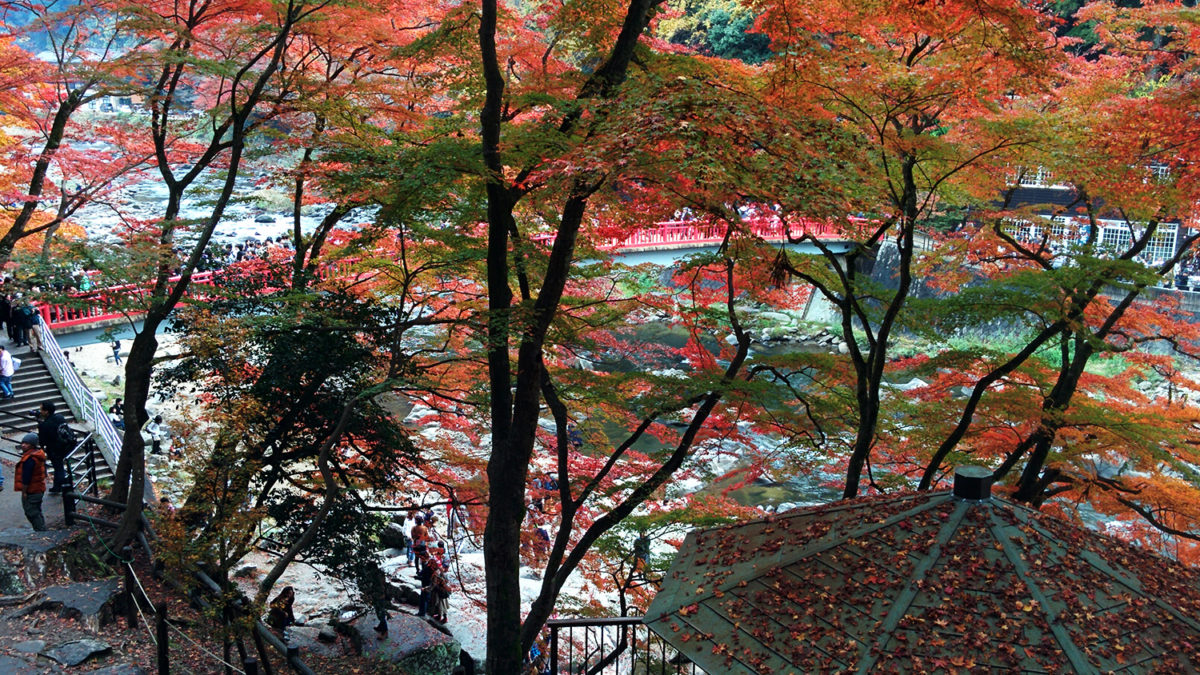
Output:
(289, 652)
(608, 646)
(596, 621)
(80, 398)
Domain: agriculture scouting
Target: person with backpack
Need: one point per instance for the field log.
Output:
(425, 576)
(57, 438)
(440, 593)
(35, 330)
(23, 318)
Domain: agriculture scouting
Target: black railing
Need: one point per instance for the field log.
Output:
(8, 427)
(611, 646)
(86, 457)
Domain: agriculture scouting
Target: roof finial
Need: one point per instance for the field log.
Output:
(973, 482)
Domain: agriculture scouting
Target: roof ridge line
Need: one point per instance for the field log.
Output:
(903, 600)
(824, 544)
(1068, 647)
(1119, 574)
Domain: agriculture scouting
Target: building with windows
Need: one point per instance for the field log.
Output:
(1058, 219)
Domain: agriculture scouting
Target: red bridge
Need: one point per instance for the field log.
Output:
(99, 306)
(679, 234)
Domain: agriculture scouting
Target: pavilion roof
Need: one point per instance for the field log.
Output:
(922, 582)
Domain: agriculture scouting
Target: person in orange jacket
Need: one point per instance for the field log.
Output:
(31, 480)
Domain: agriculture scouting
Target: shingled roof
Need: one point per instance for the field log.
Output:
(923, 582)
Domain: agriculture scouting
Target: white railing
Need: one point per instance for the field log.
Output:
(81, 399)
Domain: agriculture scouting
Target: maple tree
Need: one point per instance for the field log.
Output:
(223, 58)
(53, 165)
(499, 167)
(1074, 431)
(302, 458)
(521, 324)
(928, 91)
(329, 325)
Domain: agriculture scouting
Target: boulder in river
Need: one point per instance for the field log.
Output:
(392, 536)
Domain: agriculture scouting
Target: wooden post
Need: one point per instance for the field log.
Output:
(68, 497)
(91, 461)
(293, 654)
(227, 644)
(262, 652)
(130, 583)
(160, 628)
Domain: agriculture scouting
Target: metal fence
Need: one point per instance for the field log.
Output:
(611, 646)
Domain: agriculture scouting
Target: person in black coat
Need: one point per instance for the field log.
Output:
(279, 612)
(49, 420)
(6, 313)
(22, 318)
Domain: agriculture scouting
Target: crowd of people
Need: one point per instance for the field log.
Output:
(21, 320)
(426, 550)
(218, 255)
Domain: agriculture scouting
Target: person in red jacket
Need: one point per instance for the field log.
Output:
(31, 480)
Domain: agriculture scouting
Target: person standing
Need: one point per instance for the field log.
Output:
(6, 373)
(50, 438)
(420, 543)
(116, 347)
(425, 576)
(35, 331)
(23, 318)
(440, 594)
(410, 521)
(6, 313)
(155, 431)
(31, 480)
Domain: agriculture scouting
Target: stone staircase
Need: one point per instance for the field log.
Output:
(32, 384)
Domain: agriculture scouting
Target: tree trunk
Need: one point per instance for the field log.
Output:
(514, 414)
(869, 382)
(37, 182)
(129, 480)
(331, 495)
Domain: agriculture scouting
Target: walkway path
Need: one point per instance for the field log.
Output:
(12, 516)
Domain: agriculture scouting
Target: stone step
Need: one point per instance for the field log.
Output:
(33, 384)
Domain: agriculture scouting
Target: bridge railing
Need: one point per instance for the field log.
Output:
(80, 397)
(99, 305)
(700, 233)
(88, 307)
